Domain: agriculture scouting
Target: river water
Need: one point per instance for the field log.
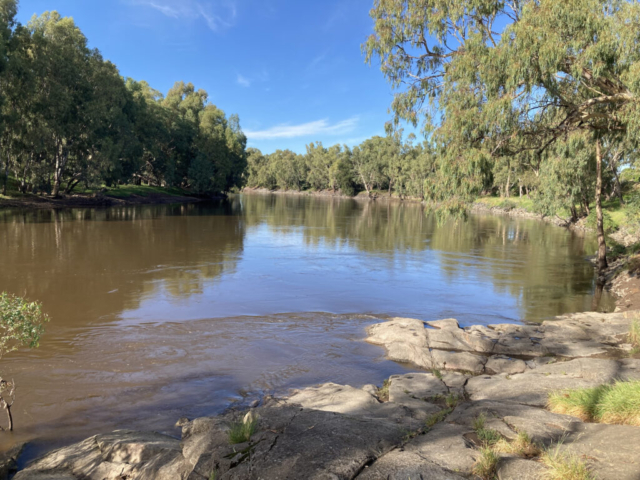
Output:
(160, 312)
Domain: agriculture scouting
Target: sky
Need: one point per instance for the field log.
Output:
(292, 70)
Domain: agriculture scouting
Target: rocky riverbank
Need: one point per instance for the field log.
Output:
(418, 425)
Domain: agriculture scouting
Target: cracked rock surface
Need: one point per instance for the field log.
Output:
(425, 430)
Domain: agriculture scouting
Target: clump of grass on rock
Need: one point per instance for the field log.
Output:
(565, 466)
(241, 431)
(487, 464)
(614, 404)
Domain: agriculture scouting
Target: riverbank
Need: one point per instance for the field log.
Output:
(125, 195)
(417, 425)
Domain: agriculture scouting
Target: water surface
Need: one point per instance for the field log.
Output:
(166, 311)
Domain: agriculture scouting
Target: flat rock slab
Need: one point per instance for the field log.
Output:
(612, 451)
(347, 400)
(514, 468)
(136, 455)
(403, 465)
(501, 348)
(533, 386)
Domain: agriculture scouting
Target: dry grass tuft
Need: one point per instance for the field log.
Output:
(614, 404)
(564, 466)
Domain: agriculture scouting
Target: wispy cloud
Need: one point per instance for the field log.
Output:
(316, 61)
(318, 127)
(217, 14)
(244, 81)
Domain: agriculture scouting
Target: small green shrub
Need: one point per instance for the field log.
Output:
(241, 432)
(21, 323)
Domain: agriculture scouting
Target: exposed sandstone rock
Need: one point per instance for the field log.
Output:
(340, 432)
(514, 468)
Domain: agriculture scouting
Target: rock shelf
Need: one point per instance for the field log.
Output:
(424, 428)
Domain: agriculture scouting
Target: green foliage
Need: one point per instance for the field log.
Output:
(378, 166)
(21, 323)
(617, 404)
(515, 96)
(71, 120)
(241, 432)
(634, 333)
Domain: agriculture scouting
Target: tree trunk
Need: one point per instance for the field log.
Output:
(602, 245)
(9, 417)
(508, 185)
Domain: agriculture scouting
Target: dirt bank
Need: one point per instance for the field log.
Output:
(92, 201)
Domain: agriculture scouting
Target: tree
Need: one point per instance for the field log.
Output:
(21, 325)
(510, 79)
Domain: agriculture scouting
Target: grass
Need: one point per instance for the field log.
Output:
(241, 432)
(452, 400)
(383, 391)
(487, 436)
(634, 333)
(522, 446)
(614, 404)
(564, 466)
(437, 373)
(486, 464)
(437, 417)
(121, 191)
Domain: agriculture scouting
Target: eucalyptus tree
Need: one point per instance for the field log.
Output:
(498, 81)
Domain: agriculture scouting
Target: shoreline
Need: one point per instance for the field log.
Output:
(36, 202)
(417, 425)
(381, 430)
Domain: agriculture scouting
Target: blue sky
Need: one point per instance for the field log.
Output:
(292, 69)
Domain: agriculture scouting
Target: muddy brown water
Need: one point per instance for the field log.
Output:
(160, 312)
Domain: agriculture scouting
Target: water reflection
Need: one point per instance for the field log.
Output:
(164, 311)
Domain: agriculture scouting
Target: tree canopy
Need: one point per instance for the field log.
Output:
(68, 118)
(503, 87)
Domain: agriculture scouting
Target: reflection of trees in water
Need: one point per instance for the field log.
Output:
(538, 264)
(100, 262)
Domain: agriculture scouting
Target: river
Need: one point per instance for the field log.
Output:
(160, 312)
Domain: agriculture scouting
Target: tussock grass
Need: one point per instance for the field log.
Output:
(634, 333)
(487, 436)
(241, 432)
(383, 391)
(614, 404)
(564, 466)
(452, 400)
(486, 464)
(521, 446)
